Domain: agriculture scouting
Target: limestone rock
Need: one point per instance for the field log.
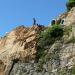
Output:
(18, 50)
(67, 18)
(70, 19)
(19, 44)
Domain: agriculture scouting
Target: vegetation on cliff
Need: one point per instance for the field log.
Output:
(43, 44)
(49, 35)
(46, 39)
(70, 4)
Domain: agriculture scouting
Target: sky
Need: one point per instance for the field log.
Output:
(14, 13)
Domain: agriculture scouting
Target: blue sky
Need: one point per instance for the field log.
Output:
(20, 12)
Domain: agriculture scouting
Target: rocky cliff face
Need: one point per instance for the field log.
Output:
(18, 51)
(18, 45)
(67, 18)
(70, 18)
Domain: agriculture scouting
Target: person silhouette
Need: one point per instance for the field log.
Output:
(34, 21)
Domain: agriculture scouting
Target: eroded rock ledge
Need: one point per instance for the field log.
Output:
(18, 45)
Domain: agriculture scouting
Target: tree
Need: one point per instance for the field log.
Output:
(70, 4)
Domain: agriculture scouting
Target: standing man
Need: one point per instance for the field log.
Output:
(34, 21)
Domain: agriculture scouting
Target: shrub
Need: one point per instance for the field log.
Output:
(45, 38)
(48, 37)
(70, 4)
(56, 31)
(73, 70)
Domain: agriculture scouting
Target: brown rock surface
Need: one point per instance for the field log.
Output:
(19, 44)
(70, 19)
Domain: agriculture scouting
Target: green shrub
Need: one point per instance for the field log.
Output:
(56, 31)
(71, 0)
(45, 38)
(48, 37)
(70, 4)
(66, 71)
(40, 65)
(73, 70)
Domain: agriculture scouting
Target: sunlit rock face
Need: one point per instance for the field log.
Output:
(70, 19)
(67, 18)
(18, 45)
(18, 50)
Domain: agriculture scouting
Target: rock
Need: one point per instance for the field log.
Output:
(46, 73)
(70, 19)
(18, 50)
(18, 45)
(35, 73)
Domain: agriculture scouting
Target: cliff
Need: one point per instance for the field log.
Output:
(19, 51)
(18, 45)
